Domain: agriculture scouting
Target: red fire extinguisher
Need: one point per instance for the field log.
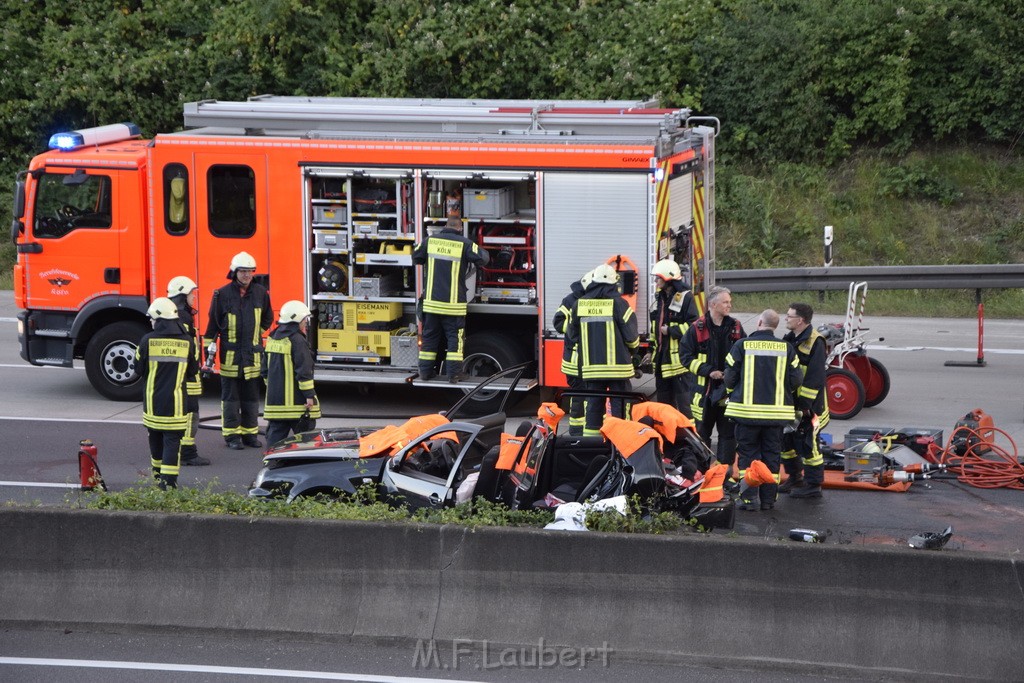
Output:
(88, 470)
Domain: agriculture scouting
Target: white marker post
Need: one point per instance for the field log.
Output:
(828, 246)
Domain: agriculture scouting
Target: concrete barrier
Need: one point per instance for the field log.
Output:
(713, 600)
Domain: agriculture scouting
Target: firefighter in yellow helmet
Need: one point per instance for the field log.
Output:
(165, 359)
(672, 312)
(182, 290)
(239, 314)
(604, 329)
(291, 404)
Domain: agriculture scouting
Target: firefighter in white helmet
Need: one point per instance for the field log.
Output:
(291, 404)
(182, 290)
(164, 359)
(239, 314)
(672, 311)
(604, 328)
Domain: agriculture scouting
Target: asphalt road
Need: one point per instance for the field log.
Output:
(48, 410)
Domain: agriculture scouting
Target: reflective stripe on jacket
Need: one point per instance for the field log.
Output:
(674, 308)
(812, 352)
(237, 323)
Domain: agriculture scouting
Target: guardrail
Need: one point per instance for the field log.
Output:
(987, 276)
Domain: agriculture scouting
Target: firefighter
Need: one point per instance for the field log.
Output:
(239, 314)
(289, 375)
(703, 351)
(673, 310)
(448, 257)
(804, 465)
(165, 359)
(761, 375)
(604, 329)
(570, 362)
(182, 291)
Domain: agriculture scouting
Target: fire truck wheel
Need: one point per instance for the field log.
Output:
(844, 392)
(487, 353)
(110, 361)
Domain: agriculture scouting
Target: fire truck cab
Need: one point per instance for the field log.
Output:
(330, 195)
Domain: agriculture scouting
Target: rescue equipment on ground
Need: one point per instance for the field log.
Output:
(806, 536)
(931, 540)
(88, 468)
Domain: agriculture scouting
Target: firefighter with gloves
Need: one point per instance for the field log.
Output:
(570, 361)
(673, 310)
(239, 314)
(804, 464)
(182, 291)
(291, 404)
(761, 375)
(448, 258)
(165, 359)
(703, 350)
(603, 328)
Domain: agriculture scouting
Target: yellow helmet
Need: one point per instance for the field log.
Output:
(162, 307)
(180, 285)
(294, 312)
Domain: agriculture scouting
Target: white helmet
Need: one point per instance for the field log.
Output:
(604, 275)
(294, 312)
(243, 259)
(162, 307)
(180, 285)
(587, 278)
(667, 269)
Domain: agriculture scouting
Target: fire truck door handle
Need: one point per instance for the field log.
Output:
(30, 248)
(112, 276)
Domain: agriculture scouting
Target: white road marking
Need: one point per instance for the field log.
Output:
(39, 484)
(8, 320)
(947, 349)
(198, 668)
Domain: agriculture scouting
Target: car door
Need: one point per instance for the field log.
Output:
(403, 482)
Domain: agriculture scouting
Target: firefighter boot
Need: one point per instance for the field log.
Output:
(794, 481)
(168, 481)
(811, 488)
(190, 456)
(748, 498)
(251, 441)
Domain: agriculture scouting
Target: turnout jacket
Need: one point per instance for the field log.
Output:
(570, 361)
(703, 350)
(289, 375)
(186, 317)
(762, 375)
(673, 306)
(237, 322)
(812, 352)
(447, 256)
(165, 359)
(604, 330)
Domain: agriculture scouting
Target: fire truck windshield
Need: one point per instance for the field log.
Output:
(63, 206)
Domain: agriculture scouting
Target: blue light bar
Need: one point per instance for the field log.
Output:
(101, 135)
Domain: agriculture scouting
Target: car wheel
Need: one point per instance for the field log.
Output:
(110, 360)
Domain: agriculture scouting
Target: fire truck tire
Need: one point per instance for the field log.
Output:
(490, 351)
(845, 393)
(110, 361)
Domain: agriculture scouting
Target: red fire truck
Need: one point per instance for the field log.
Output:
(330, 195)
